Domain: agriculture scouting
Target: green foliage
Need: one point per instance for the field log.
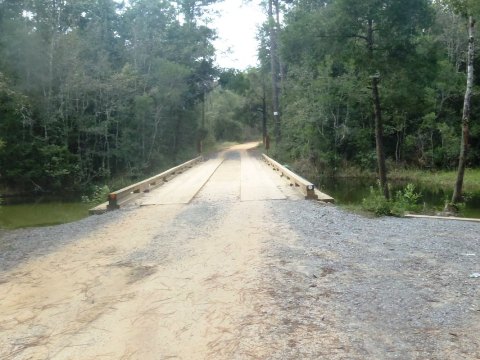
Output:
(376, 202)
(418, 52)
(227, 115)
(59, 166)
(464, 7)
(405, 200)
(93, 90)
(234, 80)
(96, 195)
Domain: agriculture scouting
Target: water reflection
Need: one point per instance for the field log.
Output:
(19, 212)
(354, 190)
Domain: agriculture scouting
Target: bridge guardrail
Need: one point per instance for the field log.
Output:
(306, 187)
(119, 197)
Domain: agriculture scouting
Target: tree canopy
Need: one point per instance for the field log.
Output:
(92, 89)
(331, 51)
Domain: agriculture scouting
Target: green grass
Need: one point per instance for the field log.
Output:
(439, 179)
(436, 181)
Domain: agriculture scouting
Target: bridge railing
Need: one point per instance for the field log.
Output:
(305, 186)
(119, 197)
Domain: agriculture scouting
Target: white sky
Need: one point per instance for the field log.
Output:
(236, 27)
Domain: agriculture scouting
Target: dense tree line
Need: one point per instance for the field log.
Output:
(353, 72)
(91, 89)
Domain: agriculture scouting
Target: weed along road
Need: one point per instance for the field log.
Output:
(227, 261)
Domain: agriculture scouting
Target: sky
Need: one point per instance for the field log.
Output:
(236, 27)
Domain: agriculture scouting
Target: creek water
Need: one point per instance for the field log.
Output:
(20, 212)
(351, 191)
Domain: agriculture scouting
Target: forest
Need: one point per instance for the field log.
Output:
(91, 90)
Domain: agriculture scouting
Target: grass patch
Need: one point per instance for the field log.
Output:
(438, 179)
(441, 179)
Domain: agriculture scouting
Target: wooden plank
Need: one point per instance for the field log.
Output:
(184, 187)
(122, 196)
(99, 209)
(306, 187)
(441, 217)
(255, 184)
(324, 197)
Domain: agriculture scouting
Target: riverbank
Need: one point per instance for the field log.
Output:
(439, 179)
(349, 186)
(443, 179)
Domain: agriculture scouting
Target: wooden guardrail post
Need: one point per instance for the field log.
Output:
(306, 187)
(112, 202)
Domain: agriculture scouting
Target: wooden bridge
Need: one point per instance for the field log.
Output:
(251, 174)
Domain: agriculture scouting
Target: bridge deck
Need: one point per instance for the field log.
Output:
(236, 175)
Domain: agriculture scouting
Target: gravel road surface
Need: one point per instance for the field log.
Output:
(240, 271)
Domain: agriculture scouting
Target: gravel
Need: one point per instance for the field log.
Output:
(386, 288)
(345, 287)
(22, 244)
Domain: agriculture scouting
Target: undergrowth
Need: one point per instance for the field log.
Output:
(96, 194)
(403, 201)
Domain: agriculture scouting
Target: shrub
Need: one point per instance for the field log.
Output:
(97, 194)
(404, 200)
(375, 202)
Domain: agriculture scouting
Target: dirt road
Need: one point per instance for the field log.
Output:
(170, 279)
(235, 265)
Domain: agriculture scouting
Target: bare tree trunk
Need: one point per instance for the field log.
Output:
(56, 7)
(154, 135)
(457, 191)
(202, 127)
(281, 67)
(274, 68)
(264, 116)
(382, 168)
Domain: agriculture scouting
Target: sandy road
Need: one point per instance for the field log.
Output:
(173, 279)
(224, 263)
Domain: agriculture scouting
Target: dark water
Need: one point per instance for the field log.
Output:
(19, 212)
(353, 190)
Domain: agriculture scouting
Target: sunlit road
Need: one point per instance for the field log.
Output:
(172, 278)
